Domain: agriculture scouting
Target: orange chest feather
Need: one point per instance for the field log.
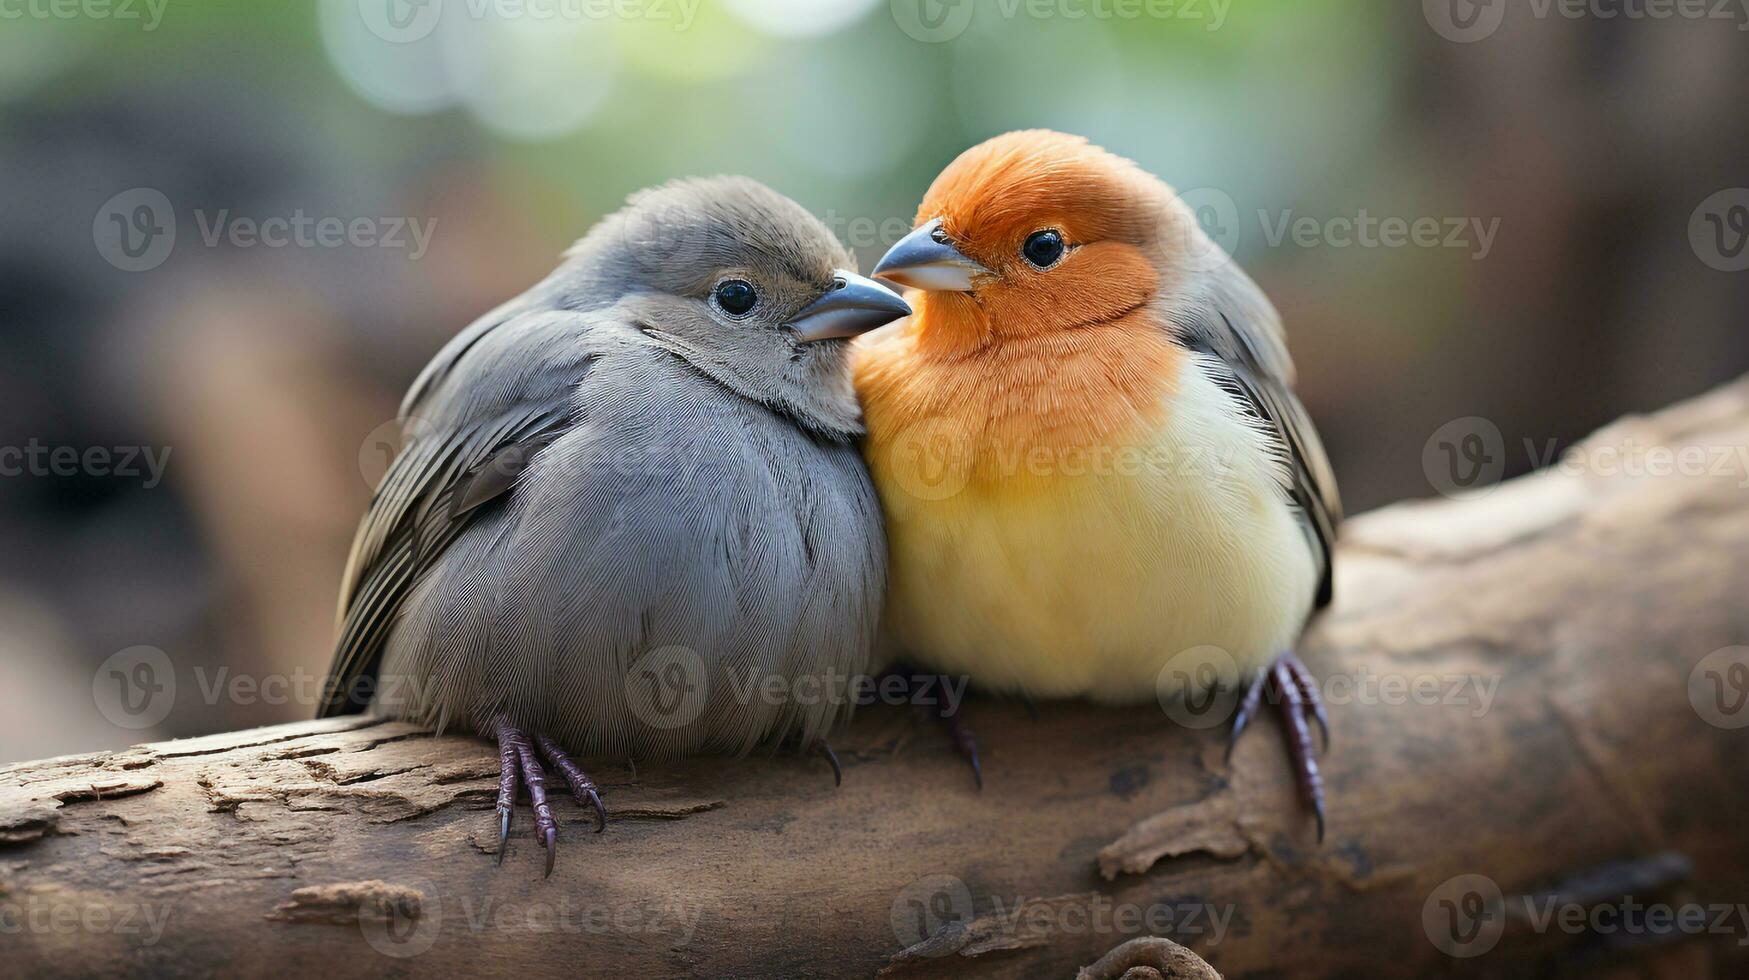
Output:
(1041, 397)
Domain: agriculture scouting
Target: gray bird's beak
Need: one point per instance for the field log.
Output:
(925, 259)
(854, 305)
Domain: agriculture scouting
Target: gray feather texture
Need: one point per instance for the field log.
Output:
(624, 518)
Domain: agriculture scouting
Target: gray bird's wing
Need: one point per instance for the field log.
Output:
(675, 549)
(1236, 323)
(492, 399)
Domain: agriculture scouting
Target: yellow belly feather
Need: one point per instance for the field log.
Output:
(1064, 566)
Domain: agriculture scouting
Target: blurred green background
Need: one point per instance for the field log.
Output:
(270, 374)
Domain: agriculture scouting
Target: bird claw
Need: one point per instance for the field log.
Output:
(1247, 709)
(963, 738)
(583, 788)
(832, 758)
(600, 811)
(1309, 696)
(519, 765)
(1294, 693)
(947, 713)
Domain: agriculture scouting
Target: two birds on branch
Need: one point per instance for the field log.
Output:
(641, 506)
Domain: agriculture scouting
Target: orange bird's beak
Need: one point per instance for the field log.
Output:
(927, 259)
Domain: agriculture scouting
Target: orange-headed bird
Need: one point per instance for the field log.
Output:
(1097, 479)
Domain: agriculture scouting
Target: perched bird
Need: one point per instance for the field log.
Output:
(1085, 440)
(628, 499)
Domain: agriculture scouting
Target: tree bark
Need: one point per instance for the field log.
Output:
(1534, 688)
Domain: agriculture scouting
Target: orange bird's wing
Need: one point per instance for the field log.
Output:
(1232, 320)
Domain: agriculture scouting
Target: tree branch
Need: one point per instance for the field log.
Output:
(1523, 687)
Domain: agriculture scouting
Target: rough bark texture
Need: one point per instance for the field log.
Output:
(1600, 768)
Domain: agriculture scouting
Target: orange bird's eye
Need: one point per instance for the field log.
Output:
(1043, 248)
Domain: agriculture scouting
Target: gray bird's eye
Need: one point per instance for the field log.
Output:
(736, 297)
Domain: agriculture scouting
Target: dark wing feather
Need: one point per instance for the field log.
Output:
(500, 398)
(1235, 322)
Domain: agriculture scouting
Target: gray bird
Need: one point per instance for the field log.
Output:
(630, 518)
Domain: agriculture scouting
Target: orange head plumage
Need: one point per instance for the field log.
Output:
(1039, 258)
(1051, 232)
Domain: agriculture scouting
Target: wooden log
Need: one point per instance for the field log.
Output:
(1536, 697)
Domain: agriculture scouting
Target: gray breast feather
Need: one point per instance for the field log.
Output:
(676, 571)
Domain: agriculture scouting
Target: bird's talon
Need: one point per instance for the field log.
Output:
(963, 738)
(1247, 710)
(518, 763)
(600, 811)
(947, 713)
(1294, 694)
(582, 787)
(832, 758)
(1308, 688)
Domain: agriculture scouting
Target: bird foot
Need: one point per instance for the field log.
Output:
(932, 695)
(519, 764)
(832, 759)
(1293, 692)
